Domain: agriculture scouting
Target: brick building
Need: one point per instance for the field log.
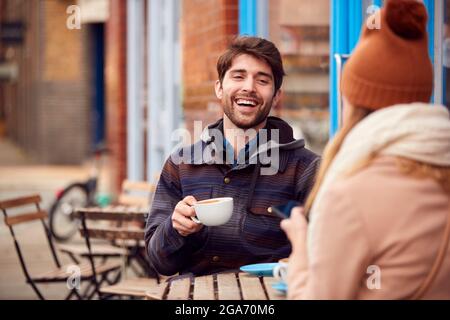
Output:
(55, 108)
(47, 109)
(156, 73)
(50, 110)
(204, 38)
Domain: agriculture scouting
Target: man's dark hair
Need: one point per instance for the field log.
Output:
(257, 47)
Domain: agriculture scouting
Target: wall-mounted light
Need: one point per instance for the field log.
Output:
(12, 32)
(9, 72)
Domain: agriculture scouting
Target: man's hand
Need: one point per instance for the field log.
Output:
(181, 220)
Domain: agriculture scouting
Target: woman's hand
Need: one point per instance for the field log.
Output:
(295, 227)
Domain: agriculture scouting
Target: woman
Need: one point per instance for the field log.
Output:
(379, 211)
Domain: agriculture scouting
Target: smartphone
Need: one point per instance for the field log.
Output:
(284, 210)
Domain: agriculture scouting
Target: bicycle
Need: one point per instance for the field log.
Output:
(62, 222)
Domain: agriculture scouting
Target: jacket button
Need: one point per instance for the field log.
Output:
(227, 180)
(216, 258)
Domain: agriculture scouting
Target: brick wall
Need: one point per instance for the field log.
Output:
(206, 27)
(48, 108)
(2, 89)
(18, 95)
(65, 88)
(115, 78)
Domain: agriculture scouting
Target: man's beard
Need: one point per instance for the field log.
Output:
(233, 114)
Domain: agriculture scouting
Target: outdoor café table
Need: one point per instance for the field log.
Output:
(121, 212)
(222, 286)
(128, 215)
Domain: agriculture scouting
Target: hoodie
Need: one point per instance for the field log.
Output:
(277, 169)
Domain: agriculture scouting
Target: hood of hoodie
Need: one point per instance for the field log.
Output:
(285, 138)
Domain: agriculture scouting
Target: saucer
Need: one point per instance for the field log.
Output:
(260, 269)
(280, 286)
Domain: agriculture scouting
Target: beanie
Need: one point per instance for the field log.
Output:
(390, 64)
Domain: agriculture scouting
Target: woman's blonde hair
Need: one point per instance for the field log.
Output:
(332, 148)
(407, 166)
(423, 170)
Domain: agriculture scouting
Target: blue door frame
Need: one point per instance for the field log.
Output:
(345, 27)
(247, 17)
(254, 18)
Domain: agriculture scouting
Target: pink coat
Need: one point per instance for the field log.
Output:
(378, 224)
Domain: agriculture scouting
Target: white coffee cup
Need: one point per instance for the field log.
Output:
(213, 212)
(281, 269)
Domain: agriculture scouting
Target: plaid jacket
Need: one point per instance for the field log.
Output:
(253, 234)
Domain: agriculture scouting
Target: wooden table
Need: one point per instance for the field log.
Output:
(135, 216)
(132, 221)
(223, 286)
(118, 212)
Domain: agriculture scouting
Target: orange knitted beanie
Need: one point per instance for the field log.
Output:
(390, 64)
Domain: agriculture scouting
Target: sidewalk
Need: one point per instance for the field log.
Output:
(20, 176)
(11, 154)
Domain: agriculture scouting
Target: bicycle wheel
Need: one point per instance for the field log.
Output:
(63, 224)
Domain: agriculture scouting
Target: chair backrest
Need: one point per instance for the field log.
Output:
(13, 220)
(37, 214)
(113, 227)
(136, 193)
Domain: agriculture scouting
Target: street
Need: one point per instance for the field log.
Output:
(19, 177)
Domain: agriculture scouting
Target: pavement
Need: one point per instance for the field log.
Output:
(19, 176)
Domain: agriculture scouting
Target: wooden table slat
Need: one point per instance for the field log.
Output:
(204, 288)
(251, 287)
(133, 287)
(179, 289)
(133, 208)
(156, 293)
(118, 212)
(228, 288)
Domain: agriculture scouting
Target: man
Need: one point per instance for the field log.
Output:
(230, 160)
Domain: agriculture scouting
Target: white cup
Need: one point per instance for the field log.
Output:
(213, 212)
(281, 269)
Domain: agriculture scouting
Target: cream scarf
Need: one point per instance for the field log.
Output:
(415, 131)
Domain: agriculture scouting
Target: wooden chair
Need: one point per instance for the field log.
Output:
(125, 230)
(133, 193)
(136, 193)
(60, 273)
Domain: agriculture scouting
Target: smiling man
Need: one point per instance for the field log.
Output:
(246, 91)
(250, 75)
